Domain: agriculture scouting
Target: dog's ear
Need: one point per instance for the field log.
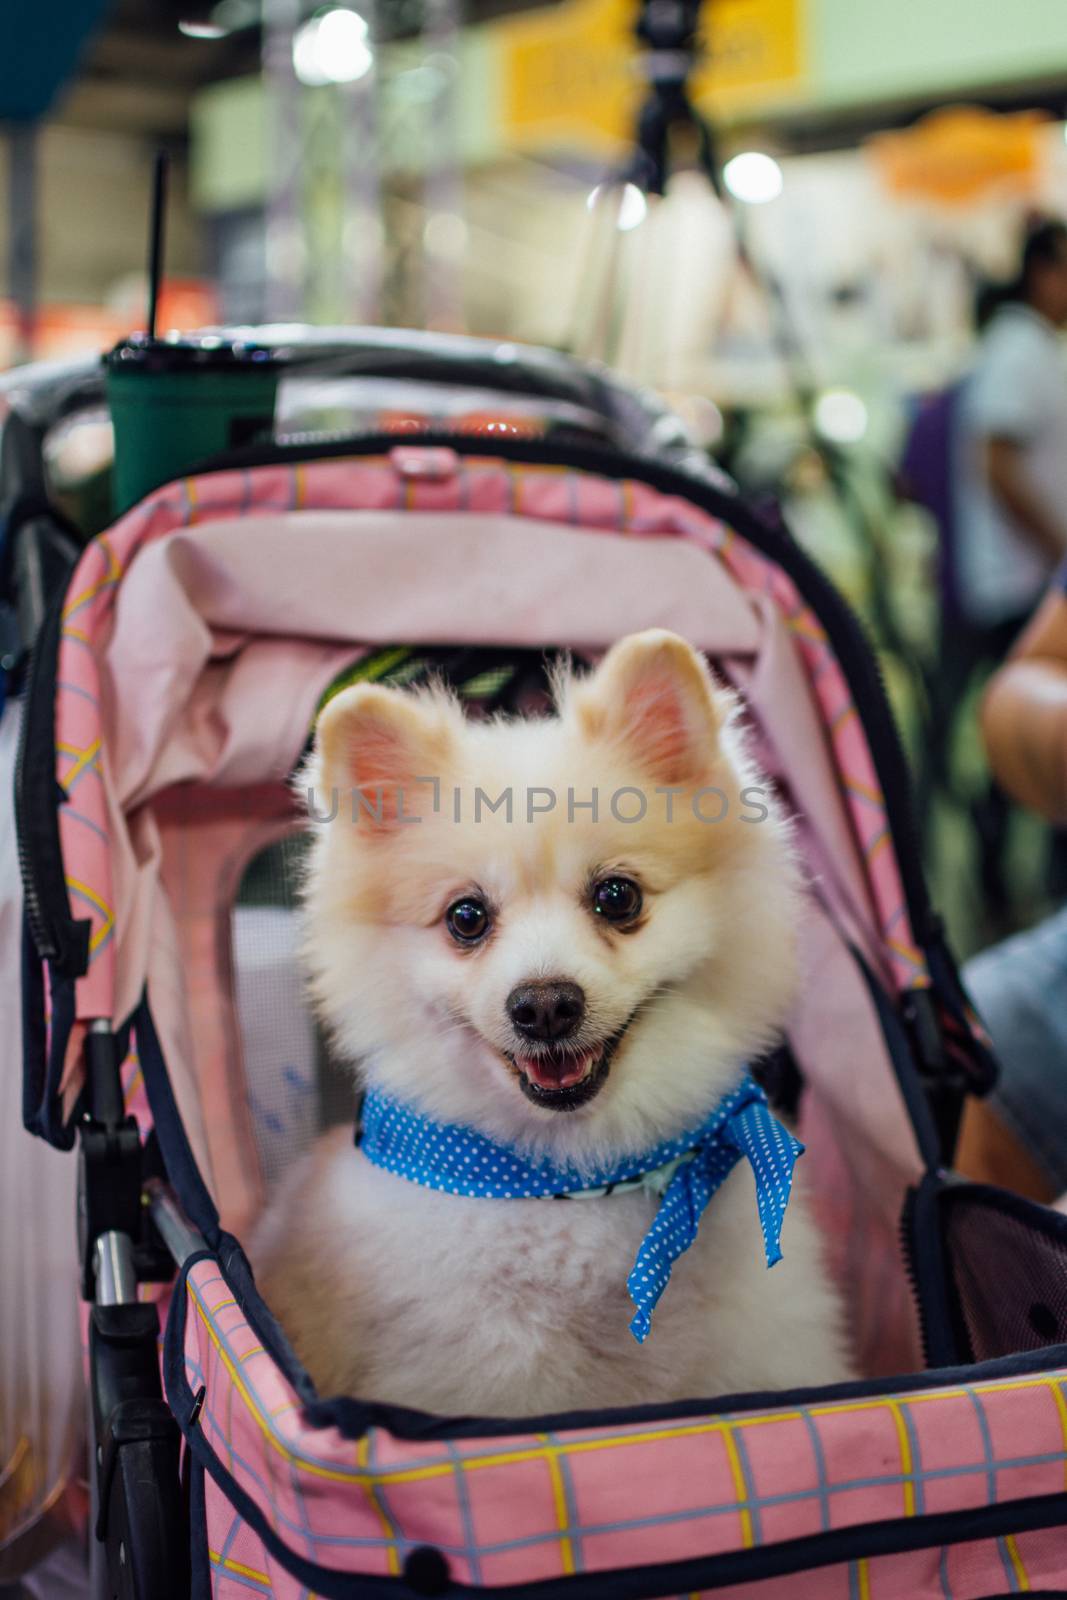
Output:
(384, 751)
(652, 697)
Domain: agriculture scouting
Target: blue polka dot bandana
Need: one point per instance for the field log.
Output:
(686, 1170)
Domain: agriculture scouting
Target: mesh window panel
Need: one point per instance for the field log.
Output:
(294, 1089)
(1008, 1261)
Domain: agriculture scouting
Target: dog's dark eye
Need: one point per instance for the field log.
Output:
(617, 899)
(467, 920)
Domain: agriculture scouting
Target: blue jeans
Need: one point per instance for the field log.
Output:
(1020, 990)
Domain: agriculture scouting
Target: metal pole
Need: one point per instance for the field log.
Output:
(443, 184)
(22, 235)
(176, 1231)
(323, 205)
(363, 228)
(285, 248)
(116, 1277)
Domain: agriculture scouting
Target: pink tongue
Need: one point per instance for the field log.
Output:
(557, 1071)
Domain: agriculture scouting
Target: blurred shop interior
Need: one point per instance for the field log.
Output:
(804, 281)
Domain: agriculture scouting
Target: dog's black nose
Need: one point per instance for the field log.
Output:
(549, 1010)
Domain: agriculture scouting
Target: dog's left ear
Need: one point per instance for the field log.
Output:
(384, 745)
(652, 697)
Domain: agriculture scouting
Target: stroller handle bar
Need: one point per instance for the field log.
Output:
(46, 393)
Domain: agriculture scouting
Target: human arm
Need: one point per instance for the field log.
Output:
(1024, 713)
(1005, 469)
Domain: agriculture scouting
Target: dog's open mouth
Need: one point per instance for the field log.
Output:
(562, 1078)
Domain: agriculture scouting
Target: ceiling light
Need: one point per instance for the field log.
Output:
(445, 235)
(840, 416)
(753, 177)
(633, 205)
(332, 48)
(202, 30)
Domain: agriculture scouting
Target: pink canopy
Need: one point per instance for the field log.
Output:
(200, 635)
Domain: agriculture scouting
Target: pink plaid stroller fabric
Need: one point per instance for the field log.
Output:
(173, 696)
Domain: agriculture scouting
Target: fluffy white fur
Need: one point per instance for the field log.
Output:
(396, 1292)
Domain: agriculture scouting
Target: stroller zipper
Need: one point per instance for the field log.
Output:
(944, 1343)
(34, 912)
(905, 1230)
(57, 938)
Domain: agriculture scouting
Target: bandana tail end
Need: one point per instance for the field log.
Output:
(773, 1198)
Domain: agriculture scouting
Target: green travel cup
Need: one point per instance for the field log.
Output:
(175, 402)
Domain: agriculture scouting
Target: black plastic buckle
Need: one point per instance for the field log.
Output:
(109, 1156)
(12, 649)
(140, 1513)
(945, 1085)
(142, 1521)
(924, 1025)
(112, 1168)
(131, 1422)
(123, 1357)
(109, 1188)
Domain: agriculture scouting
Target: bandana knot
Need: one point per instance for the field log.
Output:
(686, 1171)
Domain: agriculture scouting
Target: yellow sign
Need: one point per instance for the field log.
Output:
(570, 72)
(753, 48)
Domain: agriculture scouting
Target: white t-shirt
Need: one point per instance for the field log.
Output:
(1016, 390)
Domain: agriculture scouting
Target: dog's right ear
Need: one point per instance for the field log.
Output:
(653, 698)
(383, 750)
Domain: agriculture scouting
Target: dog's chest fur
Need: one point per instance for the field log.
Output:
(520, 1306)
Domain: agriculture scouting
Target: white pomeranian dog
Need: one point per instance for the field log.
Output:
(551, 946)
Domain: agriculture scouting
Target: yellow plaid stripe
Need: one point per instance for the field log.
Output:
(391, 1557)
(228, 1564)
(81, 758)
(111, 576)
(551, 1455)
(101, 933)
(571, 1447)
(1016, 1560)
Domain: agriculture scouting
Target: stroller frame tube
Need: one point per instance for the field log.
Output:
(171, 1223)
(140, 1539)
(116, 1275)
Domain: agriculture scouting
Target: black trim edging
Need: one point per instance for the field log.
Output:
(945, 1341)
(352, 1418)
(178, 1158)
(902, 1060)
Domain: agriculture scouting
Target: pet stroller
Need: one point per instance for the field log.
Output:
(173, 689)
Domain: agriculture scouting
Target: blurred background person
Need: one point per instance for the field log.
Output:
(988, 458)
(1011, 454)
(1018, 1137)
(1011, 463)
